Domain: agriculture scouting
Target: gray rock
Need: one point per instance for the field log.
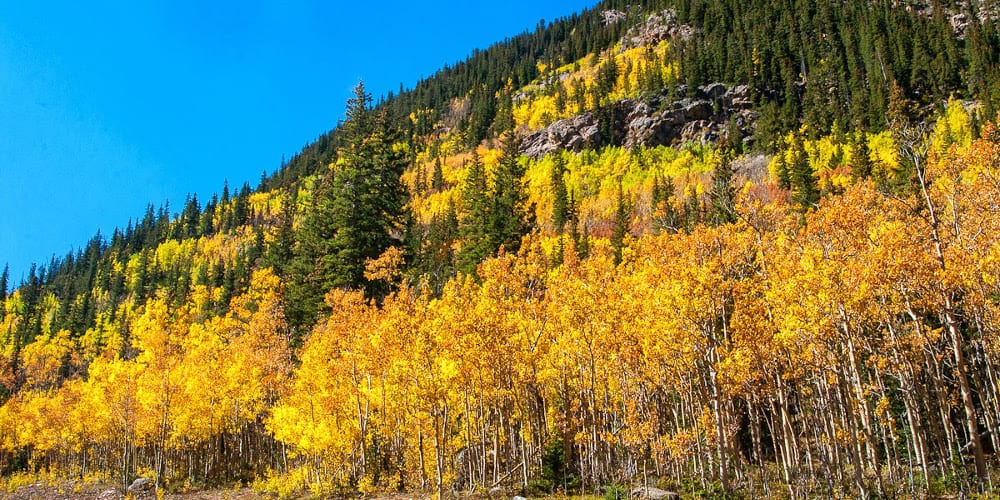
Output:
(653, 493)
(698, 110)
(714, 90)
(496, 492)
(739, 91)
(140, 484)
(658, 26)
(649, 123)
(610, 17)
(518, 498)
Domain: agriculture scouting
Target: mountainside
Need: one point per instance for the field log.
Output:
(723, 247)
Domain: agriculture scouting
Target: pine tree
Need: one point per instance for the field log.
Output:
(420, 181)
(437, 259)
(473, 219)
(781, 171)
(508, 217)
(4, 278)
(723, 195)
(623, 213)
(560, 205)
(573, 225)
(356, 213)
(437, 176)
(665, 217)
(861, 167)
(805, 191)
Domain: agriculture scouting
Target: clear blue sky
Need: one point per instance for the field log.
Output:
(106, 106)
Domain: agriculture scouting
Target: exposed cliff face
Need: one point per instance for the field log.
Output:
(650, 122)
(658, 27)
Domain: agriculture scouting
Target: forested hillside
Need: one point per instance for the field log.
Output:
(722, 247)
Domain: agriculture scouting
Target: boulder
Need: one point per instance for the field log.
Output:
(140, 485)
(714, 91)
(653, 493)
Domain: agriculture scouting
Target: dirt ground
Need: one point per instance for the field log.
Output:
(106, 492)
(75, 491)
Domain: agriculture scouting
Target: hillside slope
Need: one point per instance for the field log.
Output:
(738, 247)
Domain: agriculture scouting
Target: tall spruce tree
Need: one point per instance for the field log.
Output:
(805, 191)
(723, 195)
(474, 218)
(509, 217)
(356, 212)
(623, 215)
(4, 278)
(560, 201)
(437, 176)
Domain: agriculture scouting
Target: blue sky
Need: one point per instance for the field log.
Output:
(107, 106)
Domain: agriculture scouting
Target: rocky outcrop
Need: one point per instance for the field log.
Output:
(612, 16)
(573, 134)
(651, 122)
(658, 27)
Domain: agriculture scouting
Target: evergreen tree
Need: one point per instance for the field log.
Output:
(560, 203)
(280, 253)
(437, 262)
(579, 240)
(665, 216)
(473, 220)
(508, 217)
(356, 213)
(623, 213)
(861, 167)
(692, 209)
(420, 180)
(4, 278)
(437, 176)
(781, 171)
(805, 191)
(723, 195)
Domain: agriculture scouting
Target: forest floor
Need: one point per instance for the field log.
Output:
(95, 491)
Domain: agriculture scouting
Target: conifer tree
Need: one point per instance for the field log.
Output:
(437, 176)
(473, 220)
(580, 241)
(861, 167)
(665, 216)
(508, 217)
(623, 212)
(723, 195)
(420, 180)
(356, 213)
(805, 192)
(560, 205)
(4, 277)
